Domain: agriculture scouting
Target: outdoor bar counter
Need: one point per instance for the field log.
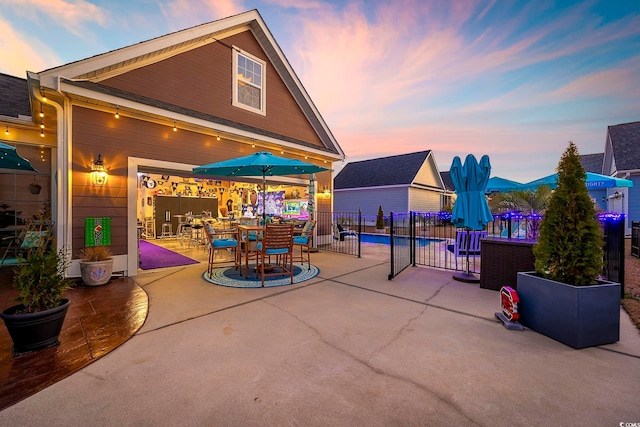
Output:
(502, 259)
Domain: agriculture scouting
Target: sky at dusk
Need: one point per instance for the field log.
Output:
(512, 79)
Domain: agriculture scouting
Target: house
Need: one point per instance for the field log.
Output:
(401, 183)
(593, 163)
(621, 159)
(113, 135)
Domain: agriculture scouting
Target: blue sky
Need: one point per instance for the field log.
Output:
(512, 79)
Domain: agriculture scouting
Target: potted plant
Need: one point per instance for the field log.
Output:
(564, 298)
(380, 220)
(35, 323)
(96, 265)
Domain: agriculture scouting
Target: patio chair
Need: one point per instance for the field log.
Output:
(340, 233)
(304, 241)
(220, 240)
(459, 247)
(27, 239)
(277, 241)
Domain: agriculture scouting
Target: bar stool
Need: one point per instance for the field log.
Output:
(167, 227)
(149, 228)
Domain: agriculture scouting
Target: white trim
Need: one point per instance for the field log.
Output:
(235, 80)
(133, 164)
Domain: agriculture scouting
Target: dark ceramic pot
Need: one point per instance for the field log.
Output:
(34, 331)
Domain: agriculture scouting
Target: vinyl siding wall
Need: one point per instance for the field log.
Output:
(368, 200)
(424, 200)
(201, 80)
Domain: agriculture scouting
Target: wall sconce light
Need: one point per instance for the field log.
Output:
(98, 173)
(326, 191)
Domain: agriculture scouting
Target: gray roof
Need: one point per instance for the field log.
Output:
(625, 141)
(394, 170)
(592, 162)
(446, 179)
(14, 100)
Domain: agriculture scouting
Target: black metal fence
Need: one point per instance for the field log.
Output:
(635, 239)
(339, 232)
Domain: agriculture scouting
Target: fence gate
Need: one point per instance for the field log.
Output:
(402, 241)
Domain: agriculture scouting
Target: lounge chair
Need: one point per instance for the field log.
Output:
(340, 233)
(459, 247)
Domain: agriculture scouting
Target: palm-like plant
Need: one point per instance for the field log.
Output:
(526, 202)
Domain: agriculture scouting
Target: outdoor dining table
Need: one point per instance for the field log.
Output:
(245, 230)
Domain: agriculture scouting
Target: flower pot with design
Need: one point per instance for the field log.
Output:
(96, 273)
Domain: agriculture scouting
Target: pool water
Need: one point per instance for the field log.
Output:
(384, 239)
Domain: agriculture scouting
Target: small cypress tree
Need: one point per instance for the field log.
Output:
(570, 245)
(380, 218)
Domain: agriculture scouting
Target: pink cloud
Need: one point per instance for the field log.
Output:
(26, 54)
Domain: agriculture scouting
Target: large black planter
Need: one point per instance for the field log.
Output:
(578, 316)
(34, 331)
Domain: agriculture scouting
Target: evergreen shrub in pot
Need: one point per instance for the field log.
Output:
(40, 279)
(564, 298)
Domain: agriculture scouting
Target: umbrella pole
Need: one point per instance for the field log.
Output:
(264, 200)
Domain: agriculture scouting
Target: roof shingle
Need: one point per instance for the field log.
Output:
(394, 170)
(625, 140)
(15, 96)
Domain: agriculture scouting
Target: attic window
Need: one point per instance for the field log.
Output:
(248, 82)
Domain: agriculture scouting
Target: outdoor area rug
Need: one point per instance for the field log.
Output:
(229, 276)
(154, 256)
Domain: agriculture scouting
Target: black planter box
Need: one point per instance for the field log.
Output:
(578, 316)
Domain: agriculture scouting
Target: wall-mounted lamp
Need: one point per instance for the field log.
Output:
(326, 191)
(98, 173)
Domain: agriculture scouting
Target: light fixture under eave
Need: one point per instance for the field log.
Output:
(98, 172)
(6, 130)
(41, 111)
(218, 137)
(117, 114)
(175, 128)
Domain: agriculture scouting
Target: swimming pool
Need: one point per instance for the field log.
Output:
(384, 239)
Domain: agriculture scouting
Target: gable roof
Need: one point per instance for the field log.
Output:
(14, 101)
(447, 181)
(385, 171)
(592, 162)
(625, 142)
(80, 76)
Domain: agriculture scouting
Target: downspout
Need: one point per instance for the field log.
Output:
(62, 181)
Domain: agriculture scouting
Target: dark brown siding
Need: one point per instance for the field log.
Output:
(201, 80)
(118, 139)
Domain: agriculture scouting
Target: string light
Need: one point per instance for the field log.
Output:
(218, 137)
(41, 111)
(41, 123)
(42, 133)
(44, 97)
(6, 130)
(117, 115)
(253, 144)
(175, 129)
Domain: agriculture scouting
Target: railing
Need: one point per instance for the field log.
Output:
(330, 239)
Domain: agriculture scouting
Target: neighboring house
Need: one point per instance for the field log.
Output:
(622, 160)
(449, 195)
(201, 95)
(593, 163)
(402, 183)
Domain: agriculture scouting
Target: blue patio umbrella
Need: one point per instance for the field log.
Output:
(593, 181)
(470, 210)
(10, 159)
(258, 164)
(502, 185)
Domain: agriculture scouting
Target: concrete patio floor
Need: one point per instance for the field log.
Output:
(348, 347)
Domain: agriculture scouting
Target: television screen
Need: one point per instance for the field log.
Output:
(295, 209)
